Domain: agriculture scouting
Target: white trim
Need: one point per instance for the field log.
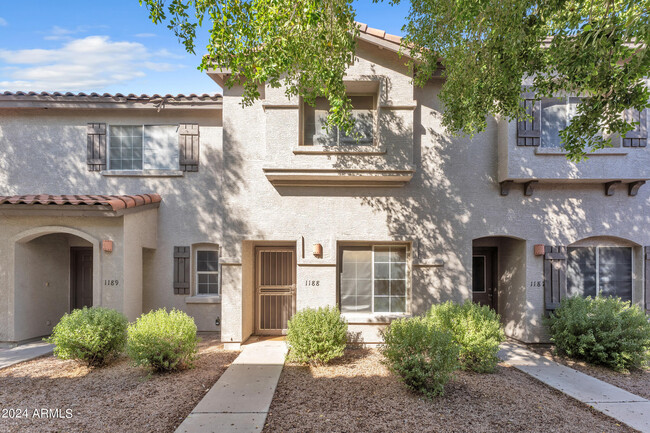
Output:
(196, 273)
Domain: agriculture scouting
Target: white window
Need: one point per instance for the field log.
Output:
(143, 147)
(374, 279)
(207, 272)
(363, 112)
(556, 115)
(605, 271)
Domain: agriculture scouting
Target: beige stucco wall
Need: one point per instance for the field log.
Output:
(54, 162)
(453, 198)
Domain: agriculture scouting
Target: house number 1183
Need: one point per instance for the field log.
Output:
(312, 282)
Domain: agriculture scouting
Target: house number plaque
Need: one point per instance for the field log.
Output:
(310, 283)
(111, 282)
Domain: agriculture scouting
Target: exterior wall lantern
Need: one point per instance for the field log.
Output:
(539, 249)
(318, 250)
(107, 246)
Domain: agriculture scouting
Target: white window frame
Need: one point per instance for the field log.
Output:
(375, 123)
(142, 127)
(598, 247)
(197, 272)
(407, 279)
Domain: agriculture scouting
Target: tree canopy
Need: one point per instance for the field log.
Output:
(596, 49)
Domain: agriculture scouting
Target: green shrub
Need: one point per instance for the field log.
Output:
(317, 336)
(422, 356)
(476, 329)
(90, 335)
(602, 330)
(163, 341)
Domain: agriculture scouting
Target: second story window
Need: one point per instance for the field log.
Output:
(143, 147)
(556, 115)
(363, 112)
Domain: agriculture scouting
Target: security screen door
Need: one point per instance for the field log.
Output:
(275, 289)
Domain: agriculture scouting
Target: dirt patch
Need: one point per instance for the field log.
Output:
(636, 381)
(116, 398)
(357, 393)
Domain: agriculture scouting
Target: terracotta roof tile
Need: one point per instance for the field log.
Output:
(116, 202)
(117, 97)
(378, 33)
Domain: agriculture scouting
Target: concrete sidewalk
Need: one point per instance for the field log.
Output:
(24, 352)
(614, 402)
(240, 400)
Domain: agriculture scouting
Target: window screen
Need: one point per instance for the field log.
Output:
(363, 113)
(373, 279)
(605, 271)
(149, 147)
(207, 272)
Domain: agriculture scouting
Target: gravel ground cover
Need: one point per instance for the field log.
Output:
(636, 381)
(117, 398)
(358, 394)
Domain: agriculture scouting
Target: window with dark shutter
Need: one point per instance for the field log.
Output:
(529, 130)
(96, 147)
(555, 279)
(181, 270)
(188, 141)
(638, 137)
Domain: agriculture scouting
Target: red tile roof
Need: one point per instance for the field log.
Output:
(381, 34)
(117, 97)
(116, 202)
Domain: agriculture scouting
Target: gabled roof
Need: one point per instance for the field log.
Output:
(114, 202)
(382, 39)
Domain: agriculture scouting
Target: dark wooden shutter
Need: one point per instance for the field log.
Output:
(555, 263)
(638, 137)
(96, 147)
(188, 141)
(529, 131)
(182, 270)
(646, 283)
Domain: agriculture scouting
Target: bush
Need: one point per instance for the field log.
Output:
(90, 335)
(602, 330)
(476, 329)
(317, 336)
(163, 341)
(422, 356)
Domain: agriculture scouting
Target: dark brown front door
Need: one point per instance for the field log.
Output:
(484, 279)
(81, 277)
(275, 289)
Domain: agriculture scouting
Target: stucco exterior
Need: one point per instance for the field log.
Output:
(258, 185)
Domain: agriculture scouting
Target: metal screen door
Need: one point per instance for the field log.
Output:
(275, 288)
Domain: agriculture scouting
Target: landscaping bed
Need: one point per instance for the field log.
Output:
(358, 393)
(118, 397)
(636, 381)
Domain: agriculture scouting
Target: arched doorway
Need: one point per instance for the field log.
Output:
(53, 274)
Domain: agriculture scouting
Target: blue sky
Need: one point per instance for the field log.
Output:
(112, 46)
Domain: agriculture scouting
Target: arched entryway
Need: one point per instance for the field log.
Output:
(54, 273)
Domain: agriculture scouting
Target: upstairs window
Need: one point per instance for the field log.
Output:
(556, 115)
(605, 271)
(143, 147)
(363, 113)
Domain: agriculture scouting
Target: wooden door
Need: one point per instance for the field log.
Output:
(275, 289)
(81, 277)
(484, 278)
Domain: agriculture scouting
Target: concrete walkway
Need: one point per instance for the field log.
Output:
(24, 352)
(619, 404)
(240, 400)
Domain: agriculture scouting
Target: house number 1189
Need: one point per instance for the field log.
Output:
(111, 282)
(312, 282)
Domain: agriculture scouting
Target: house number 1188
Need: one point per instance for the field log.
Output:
(312, 282)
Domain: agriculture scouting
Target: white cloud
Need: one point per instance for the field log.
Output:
(3, 22)
(145, 35)
(87, 64)
(57, 33)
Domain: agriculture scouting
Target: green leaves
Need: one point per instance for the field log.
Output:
(317, 336)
